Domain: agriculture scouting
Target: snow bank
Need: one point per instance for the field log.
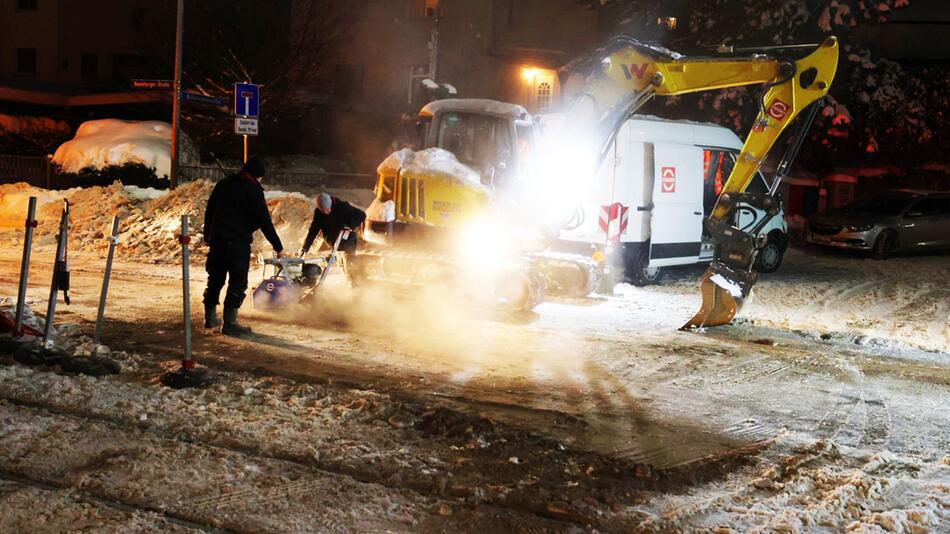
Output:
(104, 142)
(431, 161)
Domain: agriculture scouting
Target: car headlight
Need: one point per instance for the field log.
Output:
(860, 227)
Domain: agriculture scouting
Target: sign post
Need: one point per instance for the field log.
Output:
(176, 96)
(246, 110)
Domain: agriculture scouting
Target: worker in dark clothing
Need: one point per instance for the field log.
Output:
(330, 218)
(236, 209)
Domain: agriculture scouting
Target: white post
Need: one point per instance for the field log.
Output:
(187, 362)
(113, 241)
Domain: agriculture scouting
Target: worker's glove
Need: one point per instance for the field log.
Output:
(346, 232)
(278, 254)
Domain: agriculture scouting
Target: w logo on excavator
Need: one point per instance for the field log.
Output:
(632, 69)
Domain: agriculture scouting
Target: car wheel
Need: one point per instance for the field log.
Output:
(769, 257)
(641, 274)
(884, 245)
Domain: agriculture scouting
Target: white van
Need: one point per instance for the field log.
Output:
(651, 195)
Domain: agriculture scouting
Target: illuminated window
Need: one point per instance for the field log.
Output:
(544, 96)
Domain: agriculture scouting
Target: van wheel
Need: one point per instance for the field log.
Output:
(884, 245)
(641, 274)
(770, 256)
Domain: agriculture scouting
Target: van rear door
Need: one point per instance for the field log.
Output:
(677, 223)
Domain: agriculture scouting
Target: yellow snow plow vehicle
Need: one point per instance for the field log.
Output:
(457, 211)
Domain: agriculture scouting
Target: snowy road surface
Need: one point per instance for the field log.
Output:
(827, 407)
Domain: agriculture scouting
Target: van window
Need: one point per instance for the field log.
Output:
(717, 166)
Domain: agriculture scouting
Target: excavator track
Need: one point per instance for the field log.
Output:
(567, 275)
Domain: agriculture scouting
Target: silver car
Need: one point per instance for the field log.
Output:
(884, 223)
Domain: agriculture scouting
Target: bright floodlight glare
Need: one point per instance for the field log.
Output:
(562, 174)
(484, 243)
(529, 73)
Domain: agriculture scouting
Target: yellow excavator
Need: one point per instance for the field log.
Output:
(423, 194)
(631, 73)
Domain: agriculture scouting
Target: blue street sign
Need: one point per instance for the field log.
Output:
(246, 99)
(202, 99)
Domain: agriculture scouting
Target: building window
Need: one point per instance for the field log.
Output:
(417, 73)
(26, 61)
(90, 67)
(138, 17)
(348, 81)
(544, 96)
(26, 5)
(423, 8)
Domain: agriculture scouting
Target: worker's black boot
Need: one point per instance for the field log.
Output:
(211, 316)
(231, 326)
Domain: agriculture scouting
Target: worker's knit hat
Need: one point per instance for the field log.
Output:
(254, 167)
(324, 201)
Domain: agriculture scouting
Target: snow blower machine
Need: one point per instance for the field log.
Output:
(293, 280)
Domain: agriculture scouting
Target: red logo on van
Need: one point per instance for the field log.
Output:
(668, 179)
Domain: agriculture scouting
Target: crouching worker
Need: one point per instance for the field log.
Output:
(236, 209)
(331, 217)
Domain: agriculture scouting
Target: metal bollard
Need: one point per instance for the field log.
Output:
(185, 239)
(187, 376)
(113, 241)
(25, 266)
(59, 281)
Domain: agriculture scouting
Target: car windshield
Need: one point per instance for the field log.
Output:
(883, 203)
(475, 139)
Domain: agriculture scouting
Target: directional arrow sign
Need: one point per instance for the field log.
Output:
(246, 100)
(202, 99)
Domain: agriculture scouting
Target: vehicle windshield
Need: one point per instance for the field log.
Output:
(883, 203)
(476, 140)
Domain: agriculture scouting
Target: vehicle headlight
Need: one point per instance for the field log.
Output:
(860, 227)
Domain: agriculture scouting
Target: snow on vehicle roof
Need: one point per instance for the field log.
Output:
(433, 161)
(651, 128)
(475, 105)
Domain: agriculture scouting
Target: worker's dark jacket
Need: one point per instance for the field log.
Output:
(342, 215)
(236, 209)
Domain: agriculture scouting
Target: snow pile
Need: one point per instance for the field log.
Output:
(25, 125)
(431, 161)
(105, 142)
(150, 219)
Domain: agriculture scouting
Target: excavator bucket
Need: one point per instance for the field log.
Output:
(724, 291)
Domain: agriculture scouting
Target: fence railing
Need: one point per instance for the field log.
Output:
(41, 172)
(34, 170)
(342, 180)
